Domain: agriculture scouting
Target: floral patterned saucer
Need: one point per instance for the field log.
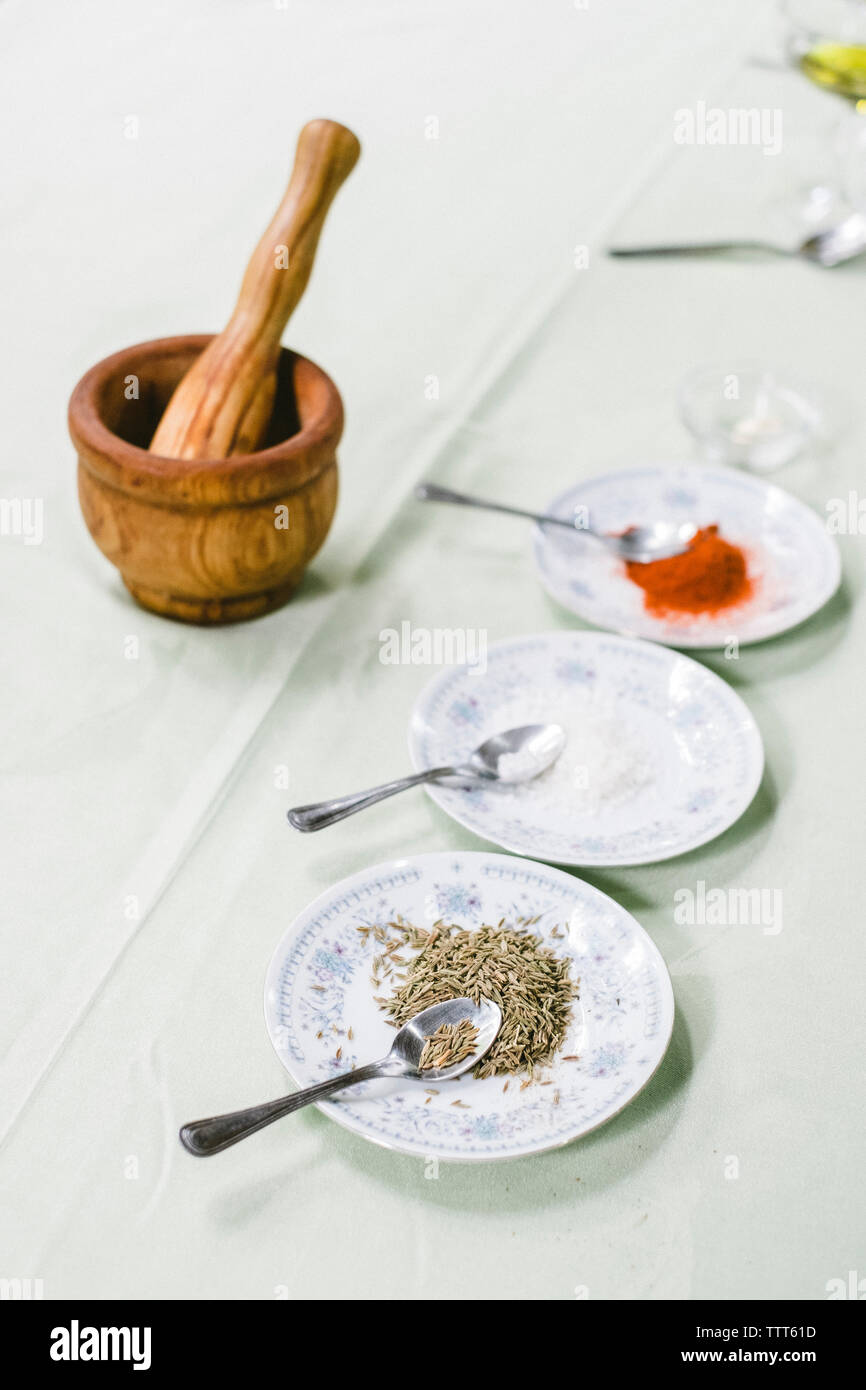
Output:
(792, 559)
(661, 757)
(322, 1016)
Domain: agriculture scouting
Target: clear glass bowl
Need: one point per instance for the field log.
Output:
(750, 416)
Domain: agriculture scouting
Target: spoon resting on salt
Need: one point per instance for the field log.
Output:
(517, 755)
(211, 1136)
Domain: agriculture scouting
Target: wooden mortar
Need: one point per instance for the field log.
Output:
(207, 468)
(204, 540)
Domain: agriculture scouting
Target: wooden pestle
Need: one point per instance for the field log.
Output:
(222, 406)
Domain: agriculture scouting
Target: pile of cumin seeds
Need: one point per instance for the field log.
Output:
(451, 1043)
(508, 964)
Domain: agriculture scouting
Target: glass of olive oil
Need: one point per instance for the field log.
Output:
(827, 41)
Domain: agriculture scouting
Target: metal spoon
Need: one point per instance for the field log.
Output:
(211, 1136)
(659, 540)
(517, 755)
(834, 246)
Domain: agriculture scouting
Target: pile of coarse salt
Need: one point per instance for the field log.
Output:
(604, 764)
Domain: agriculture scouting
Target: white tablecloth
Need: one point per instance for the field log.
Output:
(149, 870)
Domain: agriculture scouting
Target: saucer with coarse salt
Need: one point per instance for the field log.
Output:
(661, 754)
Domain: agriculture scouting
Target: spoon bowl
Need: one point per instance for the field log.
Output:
(409, 1042)
(837, 244)
(661, 540)
(518, 755)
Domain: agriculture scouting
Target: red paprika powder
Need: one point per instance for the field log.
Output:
(711, 575)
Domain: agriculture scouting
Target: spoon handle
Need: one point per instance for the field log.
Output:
(211, 1136)
(430, 492)
(698, 248)
(320, 814)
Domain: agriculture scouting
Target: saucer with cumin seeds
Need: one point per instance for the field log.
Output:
(585, 995)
